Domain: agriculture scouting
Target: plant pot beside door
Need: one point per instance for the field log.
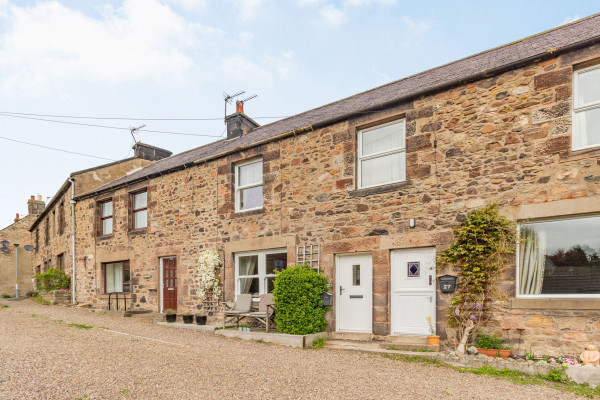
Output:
(201, 318)
(170, 315)
(433, 340)
(188, 318)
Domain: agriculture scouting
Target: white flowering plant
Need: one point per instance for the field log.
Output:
(209, 281)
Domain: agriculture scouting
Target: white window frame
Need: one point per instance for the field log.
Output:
(239, 188)
(261, 270)
(581, 108)
(518, 266)
(362, 158)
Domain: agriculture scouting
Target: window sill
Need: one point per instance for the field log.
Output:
(104, 237)
(256, 211)
(555, 304)
(574, 155)
(138, 231)
(378, 189)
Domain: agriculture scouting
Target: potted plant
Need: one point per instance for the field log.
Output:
(491, 346)
(188, 318)
(201, 317)
(244, 328)
(170, 315)
(433, 339)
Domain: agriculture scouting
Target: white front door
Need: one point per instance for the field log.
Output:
(413, 291)
(354, 293)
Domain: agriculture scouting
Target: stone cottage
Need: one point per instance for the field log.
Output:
(368, 188)
(51, 229)
(17, 235)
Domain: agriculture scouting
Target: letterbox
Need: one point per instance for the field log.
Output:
(327, 299)
(447, 283)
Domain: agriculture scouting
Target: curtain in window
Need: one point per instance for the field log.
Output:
(248, 266)
(532, 260)
(114, 278)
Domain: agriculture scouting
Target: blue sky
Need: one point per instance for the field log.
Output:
(175, 58)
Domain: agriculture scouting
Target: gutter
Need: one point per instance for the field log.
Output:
(73, 202)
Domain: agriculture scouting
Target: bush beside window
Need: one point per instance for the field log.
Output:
(297, 295)
(53, 279)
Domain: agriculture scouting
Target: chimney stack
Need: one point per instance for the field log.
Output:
(239, 124)
(148, 152)
(17, 218)
(35, 207)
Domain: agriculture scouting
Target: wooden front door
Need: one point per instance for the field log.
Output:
(169, 282)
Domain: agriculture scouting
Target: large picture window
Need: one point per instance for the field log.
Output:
(255, 271)
(106, 217)
(382, 154)
(559, 258)
(117, 277)
(140, 210)
(249, 186)
(586, 108)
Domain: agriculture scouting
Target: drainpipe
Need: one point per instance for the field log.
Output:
(73, 202)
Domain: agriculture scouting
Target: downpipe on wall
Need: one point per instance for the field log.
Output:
(73, 202)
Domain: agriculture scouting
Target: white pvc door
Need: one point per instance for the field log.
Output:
(413, 291)
(354, 293)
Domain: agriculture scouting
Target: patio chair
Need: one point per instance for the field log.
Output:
(235, 312)
(265, 310)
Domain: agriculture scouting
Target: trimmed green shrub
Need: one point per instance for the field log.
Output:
(53, 279)
(297, 294)
(485, 341)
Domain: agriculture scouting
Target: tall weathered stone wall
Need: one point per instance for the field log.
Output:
(505, 139)
(16, 233)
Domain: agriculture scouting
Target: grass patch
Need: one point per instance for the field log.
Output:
(41, 301)
(6, 296)
(318, 342)
(124, 391)
(556, 378)
(3, 307)
(33, 315)
(413, 359)
(80, 326)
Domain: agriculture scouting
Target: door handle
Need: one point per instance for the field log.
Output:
(341, 290)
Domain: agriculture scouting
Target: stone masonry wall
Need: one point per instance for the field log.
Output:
(16, 233)
(505, 139)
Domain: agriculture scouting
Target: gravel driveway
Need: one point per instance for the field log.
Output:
(42, 357)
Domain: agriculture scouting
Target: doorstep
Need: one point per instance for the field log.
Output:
(194, 327)
(379, 346)
(285, 339)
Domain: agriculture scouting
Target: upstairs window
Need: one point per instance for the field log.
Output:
(586, 108)
(61, 218)
(382, 154)
(140, 210)
(106, 218)
(249, 186)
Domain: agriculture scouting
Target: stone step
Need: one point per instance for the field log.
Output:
(380, 345)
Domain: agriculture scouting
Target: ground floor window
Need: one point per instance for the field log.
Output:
(117, 277)
(255, 271)
(560, 258)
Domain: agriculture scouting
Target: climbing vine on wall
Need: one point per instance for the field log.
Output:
(209, 281)
(481, 245)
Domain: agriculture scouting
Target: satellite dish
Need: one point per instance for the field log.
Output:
(4, 249)
(4, 243)
(28, 247)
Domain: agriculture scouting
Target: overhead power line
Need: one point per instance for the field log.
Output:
(130, 119)
(104, 126)
(56, 149)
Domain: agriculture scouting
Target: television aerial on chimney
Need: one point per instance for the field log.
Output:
(228, 99)
(134, 130)
(239, 104)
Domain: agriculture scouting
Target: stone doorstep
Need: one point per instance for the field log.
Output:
(376, 346)
(194, 326)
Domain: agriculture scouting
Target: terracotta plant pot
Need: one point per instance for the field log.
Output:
(171, 317)
(494, 352)
(188, 319)
(433, 340)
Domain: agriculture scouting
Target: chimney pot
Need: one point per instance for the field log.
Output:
(239, 107)
(39, 197)
(17, 217)
(32, 197)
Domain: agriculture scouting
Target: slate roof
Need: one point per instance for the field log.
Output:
(546, 44)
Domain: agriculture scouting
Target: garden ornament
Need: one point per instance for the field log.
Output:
(590, 355)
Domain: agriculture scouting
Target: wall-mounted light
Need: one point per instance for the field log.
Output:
(411, 223)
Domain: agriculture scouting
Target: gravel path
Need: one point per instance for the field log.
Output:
(41, 357)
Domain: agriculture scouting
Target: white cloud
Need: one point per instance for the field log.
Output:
(249, 8)
(191, 4)
(242, 69)
(332, 15)
(48, 47)
(416, 26)
(309, 2)
(359, 3)
(568, 20)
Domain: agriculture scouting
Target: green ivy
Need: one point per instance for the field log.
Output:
(53, 279)
(297, 293)
(481, 245)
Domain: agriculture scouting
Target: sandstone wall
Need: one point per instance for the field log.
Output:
(505, 139)
(16, 233)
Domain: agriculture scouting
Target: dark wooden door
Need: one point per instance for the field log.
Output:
(169, 267)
